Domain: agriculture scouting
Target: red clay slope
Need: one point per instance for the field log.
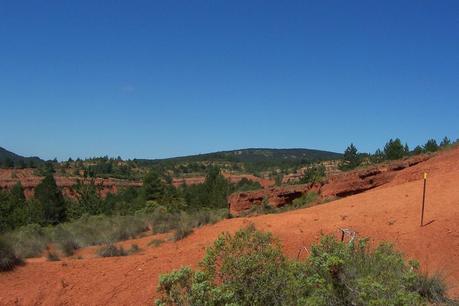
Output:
(389, 213)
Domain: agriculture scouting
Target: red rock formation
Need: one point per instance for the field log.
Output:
(28, 180)
(339, 185)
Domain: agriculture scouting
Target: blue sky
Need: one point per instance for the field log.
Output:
(152, 79)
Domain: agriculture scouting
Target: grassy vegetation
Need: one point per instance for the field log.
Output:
(111, 250)
(51, 256)
(32, 240)
(8, 258)
(155, 243)
(248, 268)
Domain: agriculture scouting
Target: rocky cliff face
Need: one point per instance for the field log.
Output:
(10, 177)
(338, 185)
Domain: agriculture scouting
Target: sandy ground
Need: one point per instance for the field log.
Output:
(389, 213)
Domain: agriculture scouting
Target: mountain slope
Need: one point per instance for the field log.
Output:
(258, 157)
(10, 157)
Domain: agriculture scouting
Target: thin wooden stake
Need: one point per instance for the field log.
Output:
(423, 199)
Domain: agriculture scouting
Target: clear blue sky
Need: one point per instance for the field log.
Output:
(152, 79)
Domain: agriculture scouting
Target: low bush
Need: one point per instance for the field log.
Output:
(184, 227)
(51, 256)
(111, 250)
(305, 200)
(248, 268)
(28, 241)
(33, 239)
(155, 243)
(65, 240)
(8, 258)
(134, 249)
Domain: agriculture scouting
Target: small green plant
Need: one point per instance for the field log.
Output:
(134, 249)
(305, 200)
(51, 256)
(155, 243)
(8, 258)
(28, 241)
(184, 228)
(313, 174)
(111, 250)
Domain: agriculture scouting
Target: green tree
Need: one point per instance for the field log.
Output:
(377, 157)
(8, 163)
(351, 158)
(406, 149)
(51, 199)
(418, 150)
(13, 209)
(313, 174)
(217, 188)
(445, 142)
(153, 187)
(431, 145)
(88, 200)
(394, 149)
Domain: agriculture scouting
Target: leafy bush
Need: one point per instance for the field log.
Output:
(8, 258)
(51, 256)
(248, 268)
(305, 199)
(28, 241)
(134, 249)
(314, 174)
(65, 240)
(111, 250)
(184, 227)
(155, 243)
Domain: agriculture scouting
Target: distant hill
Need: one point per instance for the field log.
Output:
(10, 159)
(254, 158)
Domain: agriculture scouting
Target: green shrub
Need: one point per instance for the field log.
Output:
(8, 258)
(313, 174)
(51, 256)
(431, 287)
(155, 243)
(65, 240)
(28, 241)
(184, 227)
(305, 199)
(248, 268)
(134, 249)
(111, 250)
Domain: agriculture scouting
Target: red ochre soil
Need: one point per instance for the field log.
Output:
(387, 213)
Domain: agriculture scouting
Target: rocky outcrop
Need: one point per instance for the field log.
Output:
(338, 185)
(65, 184)
(240, 202)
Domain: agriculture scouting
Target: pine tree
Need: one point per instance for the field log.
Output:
(445, 142)
(153, 187)
(351, 158)
(51, 199)
(394, 149)
(431, 145)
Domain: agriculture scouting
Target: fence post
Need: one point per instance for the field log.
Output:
(423, 199)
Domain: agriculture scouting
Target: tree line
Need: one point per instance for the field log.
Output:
(393, 149)
(49, 206)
